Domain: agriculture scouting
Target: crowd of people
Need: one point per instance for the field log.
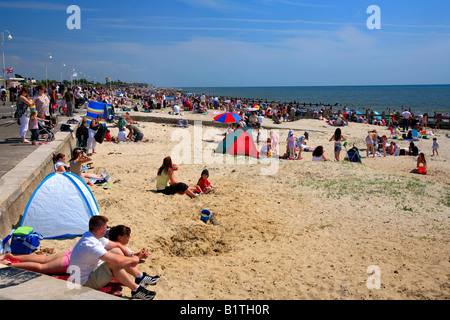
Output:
(101, 253)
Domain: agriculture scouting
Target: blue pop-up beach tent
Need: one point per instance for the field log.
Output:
(60, 207)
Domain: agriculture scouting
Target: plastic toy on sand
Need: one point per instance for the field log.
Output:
(205, 215)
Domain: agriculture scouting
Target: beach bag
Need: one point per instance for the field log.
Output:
(25, 241)
(353, 155)
(101, 133)
(65, 128)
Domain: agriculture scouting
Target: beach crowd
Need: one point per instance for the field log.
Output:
(36, 107)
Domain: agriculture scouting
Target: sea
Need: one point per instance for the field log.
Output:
(419, 99)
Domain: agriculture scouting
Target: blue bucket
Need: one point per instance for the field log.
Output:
(205, 215)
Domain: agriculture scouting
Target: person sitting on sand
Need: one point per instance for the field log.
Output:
(122, 135)
(122, 234)
(230, 129)
(392, 148)
(203, 185)
(58, 263)
(421, 164)
(413, 150)
(58, 160)
(166, 183)
(97, 260)
(253, 121)
(318, 154)
(78, 159)
(109, 137)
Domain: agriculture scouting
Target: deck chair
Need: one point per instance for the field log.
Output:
(394, 134)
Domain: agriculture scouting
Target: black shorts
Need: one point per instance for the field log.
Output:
(176, 188)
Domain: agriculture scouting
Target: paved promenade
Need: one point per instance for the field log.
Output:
(12, 151)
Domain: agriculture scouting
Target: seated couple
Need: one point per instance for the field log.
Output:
(100, 260)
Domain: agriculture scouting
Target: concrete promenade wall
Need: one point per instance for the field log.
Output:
(18, 185)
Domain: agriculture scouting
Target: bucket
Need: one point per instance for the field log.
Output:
(205, 215)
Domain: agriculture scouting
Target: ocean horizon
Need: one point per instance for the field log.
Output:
(418, 98)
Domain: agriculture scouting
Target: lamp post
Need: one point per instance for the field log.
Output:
(3, 54)
(62, 65)
(47, 56)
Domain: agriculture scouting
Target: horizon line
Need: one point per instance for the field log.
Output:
(294, 86)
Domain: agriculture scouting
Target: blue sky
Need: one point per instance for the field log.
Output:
(186, 43)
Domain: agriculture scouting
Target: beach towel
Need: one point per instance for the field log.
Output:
(113, 287)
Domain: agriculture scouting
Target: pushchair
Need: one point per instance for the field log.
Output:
(45, 129)
(352, 154)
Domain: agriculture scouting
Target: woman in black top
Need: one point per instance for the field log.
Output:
(95, 124)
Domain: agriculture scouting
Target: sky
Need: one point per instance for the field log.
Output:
(231, 43)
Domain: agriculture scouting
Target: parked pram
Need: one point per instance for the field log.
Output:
(45, 129)
(352, 154)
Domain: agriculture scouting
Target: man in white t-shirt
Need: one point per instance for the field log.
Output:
(406, 115)
(203, 100)
(96, 260)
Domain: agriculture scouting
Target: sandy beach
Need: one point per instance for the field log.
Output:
(312, 230)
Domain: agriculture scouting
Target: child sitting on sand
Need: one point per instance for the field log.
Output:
(421, 164)
(392, 148)
(203, 185)
(122, 135)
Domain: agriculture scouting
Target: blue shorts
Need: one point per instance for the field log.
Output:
(337, 148)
